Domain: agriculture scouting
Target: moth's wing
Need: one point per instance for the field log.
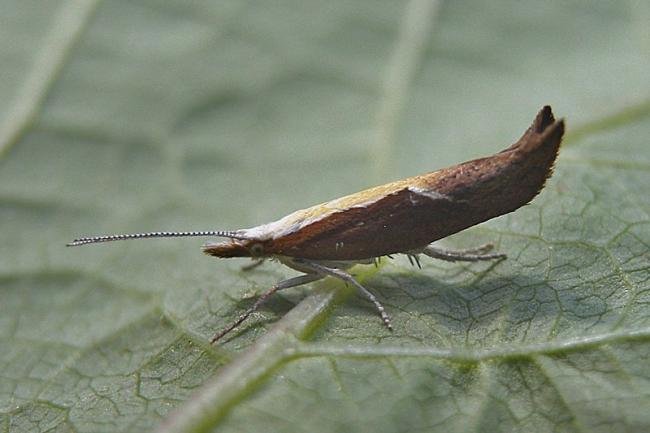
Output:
(404, 219)
(413, 212)
(542, 122)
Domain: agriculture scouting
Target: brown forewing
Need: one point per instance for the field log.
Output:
(437, 205)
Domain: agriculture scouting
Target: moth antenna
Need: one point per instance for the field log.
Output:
(123, 237)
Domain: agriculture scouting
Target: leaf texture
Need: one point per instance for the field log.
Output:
(169, 115)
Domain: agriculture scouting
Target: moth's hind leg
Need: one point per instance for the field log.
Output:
(469, 255)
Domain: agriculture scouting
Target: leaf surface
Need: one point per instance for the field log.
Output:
(151, 115)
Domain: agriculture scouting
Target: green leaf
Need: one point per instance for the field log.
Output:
(151, 115)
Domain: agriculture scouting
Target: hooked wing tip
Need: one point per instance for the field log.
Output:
(545, 130)
(543, 119)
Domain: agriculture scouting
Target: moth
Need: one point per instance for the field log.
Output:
(401, 217)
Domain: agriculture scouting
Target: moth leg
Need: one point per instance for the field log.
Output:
(253, 265)
(481, 249)
(469, 255)
(285, 284)
(414, 258)
(347, 278)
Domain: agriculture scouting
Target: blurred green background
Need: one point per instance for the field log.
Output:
(129, 116)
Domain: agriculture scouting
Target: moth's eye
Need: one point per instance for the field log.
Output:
(257, 249)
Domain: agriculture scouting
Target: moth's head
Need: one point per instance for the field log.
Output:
(235, 248)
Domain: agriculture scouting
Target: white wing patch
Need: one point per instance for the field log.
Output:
(304, 217)
(428, 193)
(301, 218)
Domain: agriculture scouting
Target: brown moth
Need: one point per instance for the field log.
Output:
(401, 217)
